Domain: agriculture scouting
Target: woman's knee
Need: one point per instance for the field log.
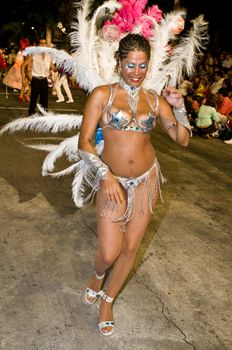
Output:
(108, 256)
(129, 250)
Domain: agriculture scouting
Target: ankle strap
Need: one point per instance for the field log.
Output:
(99, 277)
(105, 297)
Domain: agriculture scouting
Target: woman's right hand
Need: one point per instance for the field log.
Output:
(112, 189)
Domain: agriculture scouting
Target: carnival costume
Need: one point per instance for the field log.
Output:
(92, 64)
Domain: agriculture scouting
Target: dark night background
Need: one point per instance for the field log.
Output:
(37, 13)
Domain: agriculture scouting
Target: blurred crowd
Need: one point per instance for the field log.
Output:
(208, 97)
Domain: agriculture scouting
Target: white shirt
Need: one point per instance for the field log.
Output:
(41, 66)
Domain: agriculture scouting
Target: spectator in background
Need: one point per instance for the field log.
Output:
(62, 80)
(224, 103)
(207, 117)
(13, 78)
(218, 82)
(203, 87)
(3, 63)
(41, 65)
(11, 57)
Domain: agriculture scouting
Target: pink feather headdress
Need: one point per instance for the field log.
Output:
(133, 17)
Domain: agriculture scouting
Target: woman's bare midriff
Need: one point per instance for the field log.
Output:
(127, 153)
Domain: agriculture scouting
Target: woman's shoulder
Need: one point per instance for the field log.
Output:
(101, 93)
(102, 89)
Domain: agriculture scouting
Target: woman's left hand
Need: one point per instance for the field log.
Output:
(173, 97)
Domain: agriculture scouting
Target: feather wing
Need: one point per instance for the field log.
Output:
(48, 123)
(181, 60)
(94, 51)
(89, 49)
(68, 147)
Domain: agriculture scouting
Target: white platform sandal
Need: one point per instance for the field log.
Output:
(91, 293)
(105, 324)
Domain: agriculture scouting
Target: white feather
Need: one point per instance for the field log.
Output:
(78, 186)
(183, 57)
(68, 147)
(48, 123)
(41, 147)
(107, 62)
(94, 38)
(67, 171)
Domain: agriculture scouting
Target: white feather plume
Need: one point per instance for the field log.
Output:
(49, 122)
(41, 147)
(181, 60)
(67, 171)
(78, 184)
(95, 39)
(107, 62)
(68, 147)
(90, 49)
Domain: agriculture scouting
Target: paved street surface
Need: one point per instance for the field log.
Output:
(178, 296)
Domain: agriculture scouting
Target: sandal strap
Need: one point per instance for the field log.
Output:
(105, 297)
(106, 324)
(99, 277)
(91, 293)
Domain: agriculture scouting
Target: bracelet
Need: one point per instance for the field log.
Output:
(96, 162)
(181, 116)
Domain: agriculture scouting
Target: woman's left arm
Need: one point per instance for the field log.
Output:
(173, 116)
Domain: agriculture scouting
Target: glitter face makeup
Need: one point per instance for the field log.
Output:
(132, 66)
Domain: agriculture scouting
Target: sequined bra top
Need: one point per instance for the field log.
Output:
(120, 121)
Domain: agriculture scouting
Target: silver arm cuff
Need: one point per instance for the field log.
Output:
(96, 162)
(181, 116)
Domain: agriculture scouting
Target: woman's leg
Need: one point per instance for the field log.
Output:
(110, 239)
(132, 238)
(57, 86)
(67, 89)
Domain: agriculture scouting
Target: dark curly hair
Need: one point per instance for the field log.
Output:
(132, 42)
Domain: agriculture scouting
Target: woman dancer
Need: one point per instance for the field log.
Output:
(128, 175)
(13, 77)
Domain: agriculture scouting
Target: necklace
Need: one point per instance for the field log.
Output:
(132, 95)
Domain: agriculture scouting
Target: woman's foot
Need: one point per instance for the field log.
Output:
(93, 287)
(106, 323)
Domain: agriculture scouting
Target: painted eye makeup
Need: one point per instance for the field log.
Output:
(130, 66)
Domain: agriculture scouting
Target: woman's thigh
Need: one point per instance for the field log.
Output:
(147, 195)
(109, 232)
(111, 235)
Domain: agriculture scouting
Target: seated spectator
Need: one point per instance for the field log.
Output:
(203, 87)
(207, 118)
(224, 104)
(192, 103)
(227, 63)
(218, 82)
(225, 132)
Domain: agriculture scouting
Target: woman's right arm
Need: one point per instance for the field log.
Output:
(92, 115)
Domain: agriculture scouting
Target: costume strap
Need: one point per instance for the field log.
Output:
(111, 98)
(154, 107)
